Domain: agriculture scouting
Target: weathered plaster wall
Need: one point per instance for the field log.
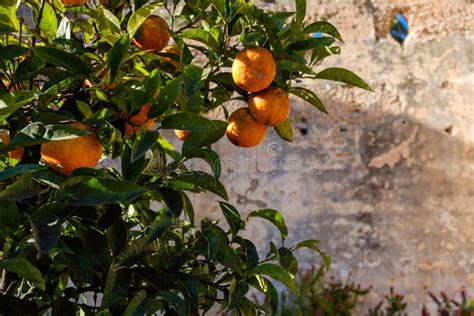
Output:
(386, 180)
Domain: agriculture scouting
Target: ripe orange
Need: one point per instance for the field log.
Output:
(73, 2)
(254, 69)
(14, 154)
(182, 135)
(152, 34)
(172, 49)
(135, 122)
(270, 106)
(64, 156)
(243, 130)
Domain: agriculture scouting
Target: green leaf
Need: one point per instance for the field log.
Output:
(139, 16)
(18, 170)
(29, 68)
(311, 43)
(8, 105)
(232, 216)
(202, 180)
(117, 55)
(168, 96)
(12, 51)
(227, 256)
(300, 10)
(188, 121)
(310, 97)
(139, 305)
(5, 28)
(63, 59)
(274, 217)
(287, 260)
(85, 190)
(9, 217)
(205, 138)
(276, 272)
(24, 269)
(323, 27)
(49, 22)
(285, 131)
(116, 286)
(202, 36)
(46, 228)
(174, 200)
(37, 133)
(22, 189)
(208, 155)
(144, 141)
(343, 75)
(266, 287)
(314, 245)
(108, 25)
(162, 222)
(152, 84)
(193, 81)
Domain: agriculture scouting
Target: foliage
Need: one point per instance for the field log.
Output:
(447, 306)
(125, 241)
(318, 297)
(321, 296)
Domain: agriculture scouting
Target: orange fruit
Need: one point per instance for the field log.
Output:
(270, 106)
(182, 135)
(14, 154)
(153, 34)
(243, 130)
(135, 122)
(254, 69)
(73, 2)
(64, 156)
(172, 49)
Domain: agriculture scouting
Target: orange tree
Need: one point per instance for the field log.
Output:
(83, 82)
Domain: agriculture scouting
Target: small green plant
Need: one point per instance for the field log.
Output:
(395, 306)
(318, 298)
(447, 306)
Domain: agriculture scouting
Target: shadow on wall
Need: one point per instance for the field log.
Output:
(392, 203)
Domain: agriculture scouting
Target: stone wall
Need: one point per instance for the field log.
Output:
(386, 180)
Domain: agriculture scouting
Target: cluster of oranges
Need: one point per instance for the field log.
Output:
(253, 70)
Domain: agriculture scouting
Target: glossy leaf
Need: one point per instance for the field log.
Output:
(232, 216)
(323, 27)
(199, 180)
(85, 190)
(144, 141)
(188, 121)
(314, 245)
(343, 75)
(276, 272)
(200, 35)
(285, 131)
(274, 217)
(168, 96)
(117, 55)
(19, 170)
(300, 10)
(310, 97)
(9, 217)
(25, 269)
(63, 59)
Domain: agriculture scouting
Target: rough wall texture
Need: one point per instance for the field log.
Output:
(386, 180)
